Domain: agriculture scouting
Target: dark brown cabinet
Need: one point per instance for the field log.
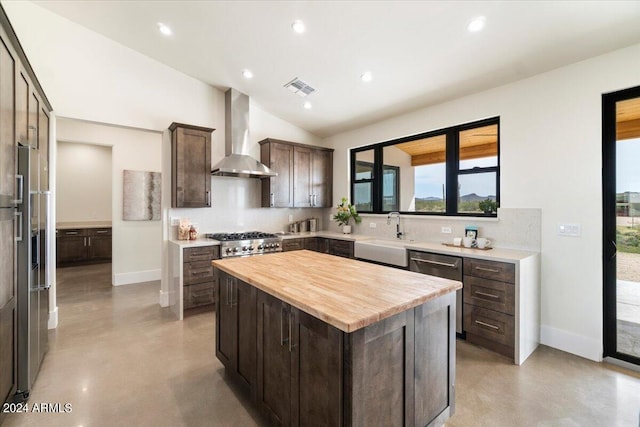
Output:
(299, 376)
(190, 166)
(304, 175)
(83, 246)
(293, 245)
(197, 276)
(343, 248)
(317, 244)
(489, 304)
(236, 329)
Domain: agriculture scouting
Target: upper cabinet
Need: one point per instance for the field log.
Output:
(190, 166)
(305, 175)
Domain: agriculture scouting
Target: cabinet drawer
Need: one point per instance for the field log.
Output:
(292, 244)
(504, 272)
(491, 294)
(197, 295)
(341, 248)
(197, 272)
(201, 253)
(99, 232)
(73, 232)
(489, 324)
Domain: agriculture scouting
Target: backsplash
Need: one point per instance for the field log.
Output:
(513, 229)
(235, 206)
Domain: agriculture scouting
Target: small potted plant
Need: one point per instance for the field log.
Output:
(487, 206)
(346, 211)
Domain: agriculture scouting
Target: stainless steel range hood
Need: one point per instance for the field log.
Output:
(236, 140)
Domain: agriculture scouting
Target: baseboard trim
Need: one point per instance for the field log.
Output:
(164, 298)
(136, 277)
(579, 345)
(53, 319)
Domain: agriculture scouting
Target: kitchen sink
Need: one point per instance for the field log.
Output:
(386, 251)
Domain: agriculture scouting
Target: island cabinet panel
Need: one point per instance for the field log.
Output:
(236, 329)
(299, 366)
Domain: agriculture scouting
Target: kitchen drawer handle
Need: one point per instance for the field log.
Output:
(71, 233)
(85, 241)
(102, 231)
(484, 294)
(488, 325)
(291, 345)
(443, 264)
(283, 340)
(89, 241)
(201, 272)
(490, 270)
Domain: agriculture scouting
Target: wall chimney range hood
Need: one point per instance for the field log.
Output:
(236, 141)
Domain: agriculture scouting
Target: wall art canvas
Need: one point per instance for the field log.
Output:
(142, 193)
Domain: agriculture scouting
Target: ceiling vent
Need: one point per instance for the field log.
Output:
(299, 87)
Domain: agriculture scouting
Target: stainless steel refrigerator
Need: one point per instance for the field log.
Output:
(32, 280)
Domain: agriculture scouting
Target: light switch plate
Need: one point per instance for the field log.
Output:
(175, 220)
(290, 218)
(446, 230)
(372, 225)
(569, 230)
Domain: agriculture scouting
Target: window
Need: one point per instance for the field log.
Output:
(453, 171)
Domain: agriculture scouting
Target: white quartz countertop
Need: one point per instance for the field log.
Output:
(327, 234)
(82, 224)
(200, 241)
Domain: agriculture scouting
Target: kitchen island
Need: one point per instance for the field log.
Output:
(323, 340)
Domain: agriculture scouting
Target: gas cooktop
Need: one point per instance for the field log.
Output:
(246, 243)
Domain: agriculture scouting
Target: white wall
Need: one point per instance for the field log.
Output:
(83, 177)
(137, 245)
(551, 136)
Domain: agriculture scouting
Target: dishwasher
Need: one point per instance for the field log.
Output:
(446, 266)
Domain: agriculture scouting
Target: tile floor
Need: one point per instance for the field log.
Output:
(120, 360)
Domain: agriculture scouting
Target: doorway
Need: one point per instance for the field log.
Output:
(621, 224)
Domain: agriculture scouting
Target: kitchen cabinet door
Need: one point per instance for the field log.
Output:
(274, 360)
(190, 166)
(236, 328)
(322, 178)
(277, 191)
(34, 110)
(71, 247)
(98, 247)
(302, 189)
(43, 152)
(316, 371)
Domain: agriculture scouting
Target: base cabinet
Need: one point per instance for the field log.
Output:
(83, 246)
(198, 277)
(397, 372)
(299, 374)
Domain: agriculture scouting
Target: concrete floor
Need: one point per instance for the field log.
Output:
(121, 360)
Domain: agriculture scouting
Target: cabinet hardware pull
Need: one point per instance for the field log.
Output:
(20, 180)
(488, 325)
(228, 291)
(290, 331)
(71, 233)
(234, 292)
(272, 200)
(89, 241)
(200, 272)
(444, 264)
(102, 231)
(84, 240)
(18, 218)
(490, 270)
(283, 340)
(484, 294)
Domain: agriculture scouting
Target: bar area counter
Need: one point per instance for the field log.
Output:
(316, 339)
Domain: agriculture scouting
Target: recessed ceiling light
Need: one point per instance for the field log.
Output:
(247, 74)
(366, 77)
(476, 24)
(298, 26)
(307, 105)
(164, 29)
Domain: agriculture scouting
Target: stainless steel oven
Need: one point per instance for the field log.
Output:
(246, 243)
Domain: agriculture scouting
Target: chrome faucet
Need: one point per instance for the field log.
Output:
(397, 215)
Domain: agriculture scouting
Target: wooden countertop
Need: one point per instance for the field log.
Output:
(345, 293)
(83, 224)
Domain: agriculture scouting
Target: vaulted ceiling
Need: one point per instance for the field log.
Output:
(419, 53)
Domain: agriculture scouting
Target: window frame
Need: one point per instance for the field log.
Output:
(452, 168)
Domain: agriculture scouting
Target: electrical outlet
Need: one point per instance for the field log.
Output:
(290, 218)
(175, 220)
(446, 230)
(372, 225)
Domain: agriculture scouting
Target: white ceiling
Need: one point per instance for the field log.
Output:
(420, 53)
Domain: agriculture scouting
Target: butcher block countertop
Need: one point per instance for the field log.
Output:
(342, 292)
